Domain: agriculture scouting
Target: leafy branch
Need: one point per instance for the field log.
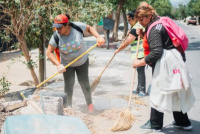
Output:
(29, 64)
(4, 85)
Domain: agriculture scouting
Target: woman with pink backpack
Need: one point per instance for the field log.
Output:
(167, 62)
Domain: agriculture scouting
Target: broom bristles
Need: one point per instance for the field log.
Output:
(95, 83)
(124, 121)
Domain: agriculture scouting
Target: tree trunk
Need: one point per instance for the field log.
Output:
(42, 60)
(117, 16)
(125, 23)
(28, 58)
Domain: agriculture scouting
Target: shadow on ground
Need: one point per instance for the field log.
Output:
(169, 129)
(108, 85)
(193, 46)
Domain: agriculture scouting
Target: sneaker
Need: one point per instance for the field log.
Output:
(135, 92)
(90, 108)
(148, 126)
(182, 127)
(141, 94)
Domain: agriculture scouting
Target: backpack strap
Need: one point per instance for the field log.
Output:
(56, 38)
(56, 49)
(152, 25)
(76, 27)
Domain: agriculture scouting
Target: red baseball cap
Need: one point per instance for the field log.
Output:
(59, 20)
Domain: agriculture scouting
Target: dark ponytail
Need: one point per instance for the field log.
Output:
(68, 16)
(131, 14)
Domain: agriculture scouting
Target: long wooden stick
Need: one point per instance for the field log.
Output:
(134, 72)
(111, 58)
(67, 65)
(125, 119)
(107, 65)
(97, 80)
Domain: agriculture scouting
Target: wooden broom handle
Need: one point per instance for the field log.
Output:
(111, 58)
(67, 65)
(134, 72)
(107, 65)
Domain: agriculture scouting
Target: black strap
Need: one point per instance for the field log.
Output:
(56, 38)
(76, 27)
(72, 25)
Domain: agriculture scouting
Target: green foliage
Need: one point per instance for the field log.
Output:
(4, 85)
(89, 12)
(193, 8)
(130, 5)
(181, 11)
(175, 13)
(36, 30)
(41, 25)
(30, 64)
(94, 13)
(163, 7)
(5, 36)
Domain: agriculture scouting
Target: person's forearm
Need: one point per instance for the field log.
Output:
(122, 46)
(142, 62)
(92, 31)
(53, 59)
(128, 41)
(139, 63)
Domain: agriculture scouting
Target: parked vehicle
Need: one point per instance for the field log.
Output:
(192, 21)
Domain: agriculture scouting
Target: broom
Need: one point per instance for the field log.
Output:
(126, 118)
(97, 80)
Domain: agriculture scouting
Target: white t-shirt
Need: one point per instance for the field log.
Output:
(71, 46)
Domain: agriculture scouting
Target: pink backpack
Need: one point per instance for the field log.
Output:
(176, 34)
